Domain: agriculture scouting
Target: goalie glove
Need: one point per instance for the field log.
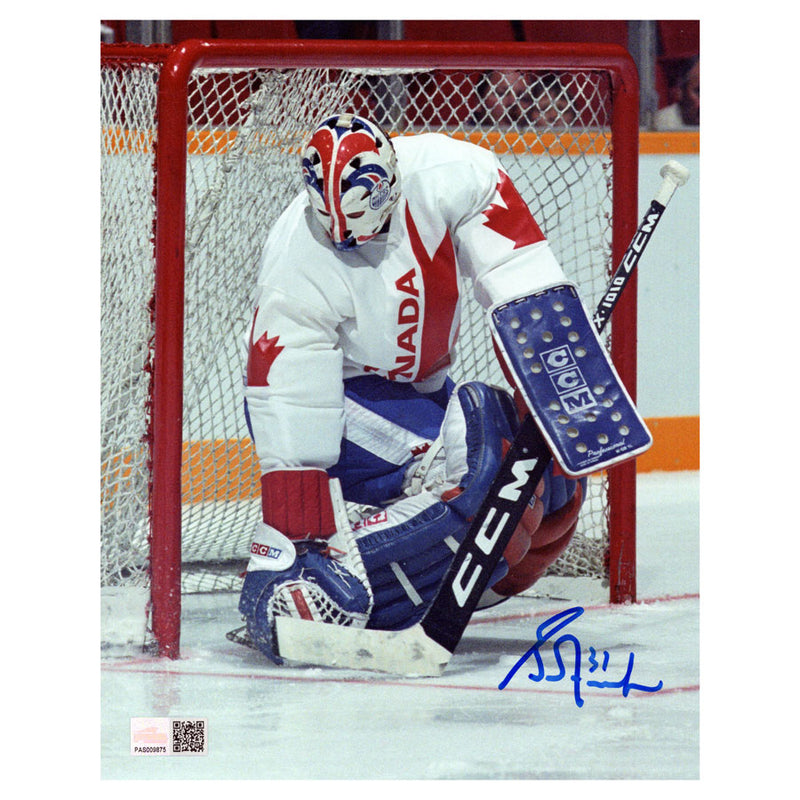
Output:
(548, 540)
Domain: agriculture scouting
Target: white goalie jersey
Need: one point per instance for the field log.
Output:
(389, 307)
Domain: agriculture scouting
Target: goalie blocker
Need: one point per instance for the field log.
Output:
(568, 381)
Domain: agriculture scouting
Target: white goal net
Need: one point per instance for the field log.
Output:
(245, 131)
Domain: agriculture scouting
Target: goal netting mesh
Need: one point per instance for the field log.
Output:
(246, 128)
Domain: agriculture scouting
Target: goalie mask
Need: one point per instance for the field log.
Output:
(350, 172)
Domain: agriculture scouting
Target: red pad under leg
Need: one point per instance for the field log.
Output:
(298, 503)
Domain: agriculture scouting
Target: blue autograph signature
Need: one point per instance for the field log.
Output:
(545, 632)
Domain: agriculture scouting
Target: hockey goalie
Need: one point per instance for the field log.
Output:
(347, 394)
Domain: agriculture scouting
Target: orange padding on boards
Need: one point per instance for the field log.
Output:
(669, 142)
(225, 470)
(117, 140)
(676, 445)
(219, 470)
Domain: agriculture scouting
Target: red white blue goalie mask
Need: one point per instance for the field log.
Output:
(350, 172)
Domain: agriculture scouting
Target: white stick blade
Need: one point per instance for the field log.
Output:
(407, 652)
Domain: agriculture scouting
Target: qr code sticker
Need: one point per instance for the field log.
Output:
(189, 736)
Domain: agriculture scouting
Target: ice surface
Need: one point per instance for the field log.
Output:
(269, 722)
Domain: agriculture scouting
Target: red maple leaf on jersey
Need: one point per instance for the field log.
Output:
(513, 219)
(262, 356)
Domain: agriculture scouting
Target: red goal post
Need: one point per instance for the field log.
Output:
(420, 86)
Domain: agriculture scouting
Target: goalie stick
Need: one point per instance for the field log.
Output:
(424, 649)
